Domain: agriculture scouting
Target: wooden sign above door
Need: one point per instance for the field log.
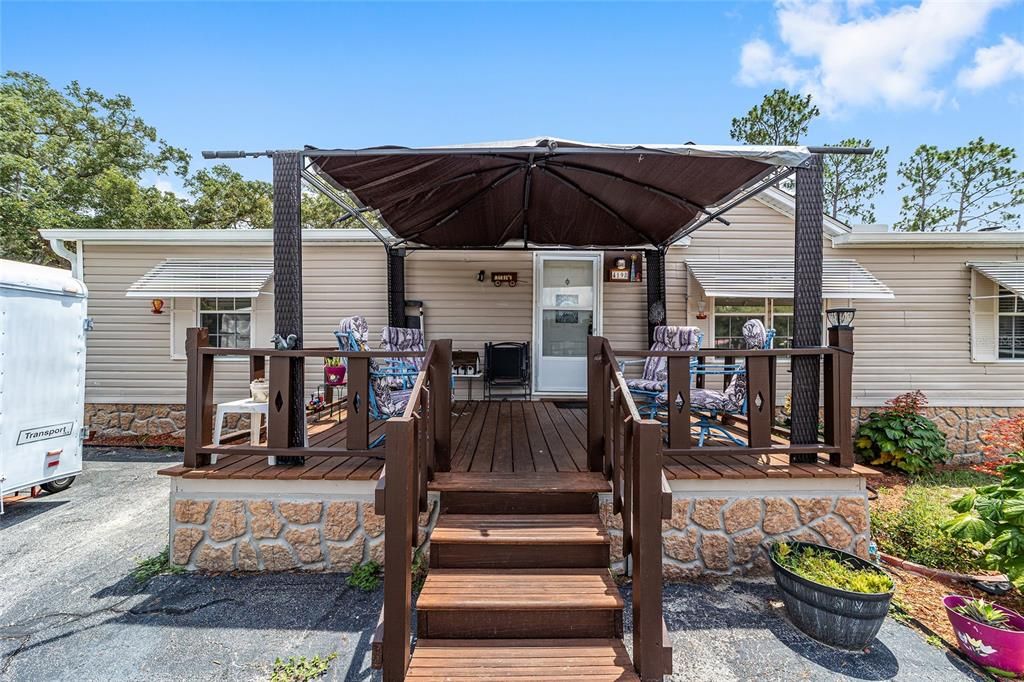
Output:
(623, 266)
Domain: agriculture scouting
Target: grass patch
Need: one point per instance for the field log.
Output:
(911, 528)
(159, 564)
(365, 576)
(824, 568)
(300, 669)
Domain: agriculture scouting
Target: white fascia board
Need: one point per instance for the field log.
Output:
(931, 240)
(200, 237)
(786, 204)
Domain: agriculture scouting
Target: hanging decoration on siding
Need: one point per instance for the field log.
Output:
(509, 278)
(623, 266)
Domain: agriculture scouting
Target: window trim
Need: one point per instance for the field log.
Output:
(769, 314)
(1000, 314)
(194, 322)
(974, 323)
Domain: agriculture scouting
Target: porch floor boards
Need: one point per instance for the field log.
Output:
(506, 437)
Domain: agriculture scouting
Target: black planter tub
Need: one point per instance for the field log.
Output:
(843, 619)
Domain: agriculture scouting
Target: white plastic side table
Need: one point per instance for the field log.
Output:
(258, 413)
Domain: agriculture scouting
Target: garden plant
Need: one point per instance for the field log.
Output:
(901, 436)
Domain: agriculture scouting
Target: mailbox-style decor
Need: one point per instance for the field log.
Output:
(509, 278)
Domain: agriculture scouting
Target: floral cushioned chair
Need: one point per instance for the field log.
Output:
(708, 404)
(388, 396)
(404, 340)
(654, 379)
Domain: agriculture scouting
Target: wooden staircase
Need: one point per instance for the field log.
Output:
(519, 585)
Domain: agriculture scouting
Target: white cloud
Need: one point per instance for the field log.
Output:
(993, 65)
(167, 186)
(854, 54)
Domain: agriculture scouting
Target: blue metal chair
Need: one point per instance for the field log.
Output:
(404, 340)
(709, 405)
(653, 380)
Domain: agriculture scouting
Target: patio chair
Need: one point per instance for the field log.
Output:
(404, 340)
(653, 380)
(709, 405)
(507, 364)
(387, 394)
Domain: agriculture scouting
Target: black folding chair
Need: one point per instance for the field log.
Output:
(507, 365)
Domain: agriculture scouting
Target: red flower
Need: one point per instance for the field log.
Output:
(907, 403)
(1004, 437)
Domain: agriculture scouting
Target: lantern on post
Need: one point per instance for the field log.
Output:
(840, 327)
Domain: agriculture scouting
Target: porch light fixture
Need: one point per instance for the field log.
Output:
(157, 306)
(840, 318)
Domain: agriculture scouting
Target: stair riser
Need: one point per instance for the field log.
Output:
(500, 624)
(518, 556)
(518, 503)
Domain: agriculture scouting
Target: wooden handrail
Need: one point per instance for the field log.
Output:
(416, 446)
(632, 449)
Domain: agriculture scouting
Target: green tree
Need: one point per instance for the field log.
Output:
(75, 158)
(851, 181)
(782, 118)
(961, 189)
(223, 199)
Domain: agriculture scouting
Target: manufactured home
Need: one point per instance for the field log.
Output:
(576, 258)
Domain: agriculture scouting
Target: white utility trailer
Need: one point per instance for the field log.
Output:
(42, 377)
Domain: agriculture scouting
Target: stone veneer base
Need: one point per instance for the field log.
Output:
(717, 527)
(269, 525)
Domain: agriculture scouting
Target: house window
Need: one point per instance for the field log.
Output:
(229, 321)
(1010, 325)
(732, 313)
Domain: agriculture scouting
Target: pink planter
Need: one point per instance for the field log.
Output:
(334, 376)
(1000, 652)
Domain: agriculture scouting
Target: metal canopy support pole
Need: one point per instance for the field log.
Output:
(288, 285)
(807, 265)
(396, 288)
(657, 311)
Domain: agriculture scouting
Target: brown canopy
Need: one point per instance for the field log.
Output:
(546, 191)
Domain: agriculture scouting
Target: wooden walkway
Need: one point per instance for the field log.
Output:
(507, 437)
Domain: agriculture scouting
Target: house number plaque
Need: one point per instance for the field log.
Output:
(509, 278)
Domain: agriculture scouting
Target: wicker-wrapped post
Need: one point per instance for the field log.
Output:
(288, 286)
(807, 265)
(656, 307)
(396, 288)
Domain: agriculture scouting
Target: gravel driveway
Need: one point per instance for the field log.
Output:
(70, 610)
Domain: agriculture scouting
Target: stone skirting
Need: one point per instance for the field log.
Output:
(963, 426)
(276, 527)
(721, 532)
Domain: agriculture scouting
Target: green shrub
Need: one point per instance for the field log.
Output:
(900, 436)
(365, 577)
(153, 566)
(824, 568)
(994, 516)
(915, 531)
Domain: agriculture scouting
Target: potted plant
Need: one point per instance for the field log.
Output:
(990, 635)
(833, 596)
(334, 372)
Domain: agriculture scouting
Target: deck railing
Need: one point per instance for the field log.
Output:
(417, 445)
(761, 368)
(283, 438)
(628, 449)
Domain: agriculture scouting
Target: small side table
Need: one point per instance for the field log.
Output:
(257, 412)
(469, 380)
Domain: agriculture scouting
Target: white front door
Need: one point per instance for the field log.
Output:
(567, 309)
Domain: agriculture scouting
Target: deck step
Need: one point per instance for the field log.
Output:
(519, 541)
(519, 603)
(601, 660)
(526, 482)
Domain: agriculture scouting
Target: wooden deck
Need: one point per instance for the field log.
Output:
(508, 437)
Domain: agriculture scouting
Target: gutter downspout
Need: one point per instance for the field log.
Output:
(72, 257)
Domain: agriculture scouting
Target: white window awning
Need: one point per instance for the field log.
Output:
(202, 277)
(773, 278)
(1007, 274)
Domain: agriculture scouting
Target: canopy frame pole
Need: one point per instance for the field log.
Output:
(655, 261)
(763, 183)
(328, 192)
(807, 286)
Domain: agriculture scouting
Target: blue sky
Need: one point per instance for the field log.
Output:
(235, 75)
